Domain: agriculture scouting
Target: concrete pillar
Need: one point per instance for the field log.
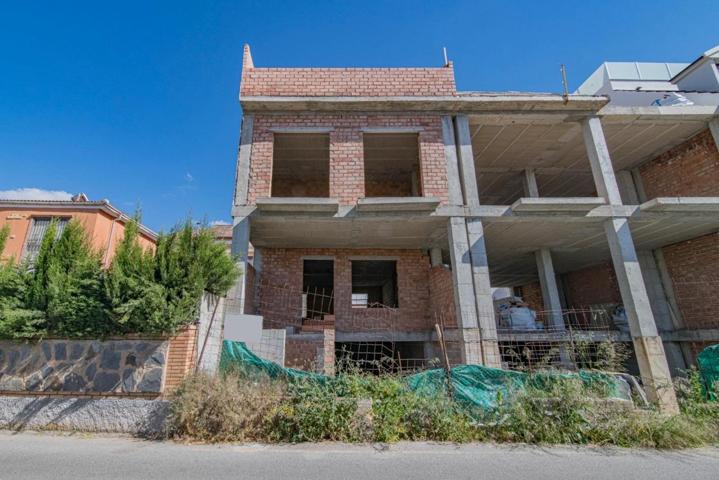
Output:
(714, 129)
(435, 256)
(545, 267)
(648, 346)
(450, 154)
(529, 180)
(550, 291)
(465, 159)
(477, 254)
(601, 164)
(242, 179)
(240, 247)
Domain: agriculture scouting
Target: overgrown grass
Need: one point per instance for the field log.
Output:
(236, 407)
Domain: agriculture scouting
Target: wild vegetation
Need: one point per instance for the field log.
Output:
(238, 407)
(66, 292)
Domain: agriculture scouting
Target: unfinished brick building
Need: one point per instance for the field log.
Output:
(380, 202)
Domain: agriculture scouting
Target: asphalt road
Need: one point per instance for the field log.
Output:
(79, 457)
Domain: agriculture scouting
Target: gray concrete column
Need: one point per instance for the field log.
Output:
(485, 320)
(648, 347)
(601, 164)
(465, 159)
(450, 153)
(653, 366)
(529, 181)
(242, 178)
(435, 256)
(240, 248)
(550, 291)
(714, 129)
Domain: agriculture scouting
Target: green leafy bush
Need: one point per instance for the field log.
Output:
(67, 293)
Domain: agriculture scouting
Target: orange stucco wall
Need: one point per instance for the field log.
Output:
(97, 223)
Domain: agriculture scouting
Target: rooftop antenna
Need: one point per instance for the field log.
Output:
(565, 95)
(446, 61)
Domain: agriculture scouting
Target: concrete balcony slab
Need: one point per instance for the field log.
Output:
(298, 204)
(681, 205)
(557, 204)
(397, 204)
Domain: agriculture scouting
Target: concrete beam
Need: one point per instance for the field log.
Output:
(648, 346)
(681, 204)
(242, 178)
(601, 164)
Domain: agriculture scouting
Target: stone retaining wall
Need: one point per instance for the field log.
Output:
(83, 366)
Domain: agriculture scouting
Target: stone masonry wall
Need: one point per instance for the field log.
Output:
(83, 366)
(346, 151)
(282, 276)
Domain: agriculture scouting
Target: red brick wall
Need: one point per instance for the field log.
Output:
(690, 169)
(281, 286)
(346, 151)
(181, 356)
(250, 274)
(591, 286)
(441, 291)
(301, 351)
(347, 82)
(532, 295)
(694, 268)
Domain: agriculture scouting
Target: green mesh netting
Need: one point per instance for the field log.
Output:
(708, 361)
(472, 385)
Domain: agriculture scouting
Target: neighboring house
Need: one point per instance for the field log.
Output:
(29, 220)
(381, 201)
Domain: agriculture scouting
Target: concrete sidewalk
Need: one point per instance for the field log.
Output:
(79, 456)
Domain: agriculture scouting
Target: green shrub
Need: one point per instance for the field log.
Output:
(67, 293)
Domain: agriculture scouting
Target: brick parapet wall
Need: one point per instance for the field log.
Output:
(346, 174)
(347, 82)
(280, 289)
(181, 358)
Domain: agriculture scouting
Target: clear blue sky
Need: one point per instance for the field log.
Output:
(137, 101)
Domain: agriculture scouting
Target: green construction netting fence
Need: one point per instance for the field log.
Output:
(472, 385)
(708, 362)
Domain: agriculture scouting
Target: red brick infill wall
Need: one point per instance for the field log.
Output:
(280, 289)
(346, 151)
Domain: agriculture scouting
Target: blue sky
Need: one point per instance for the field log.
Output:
(137, 101)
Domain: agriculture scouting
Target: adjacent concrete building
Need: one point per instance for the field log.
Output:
(383, 201)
